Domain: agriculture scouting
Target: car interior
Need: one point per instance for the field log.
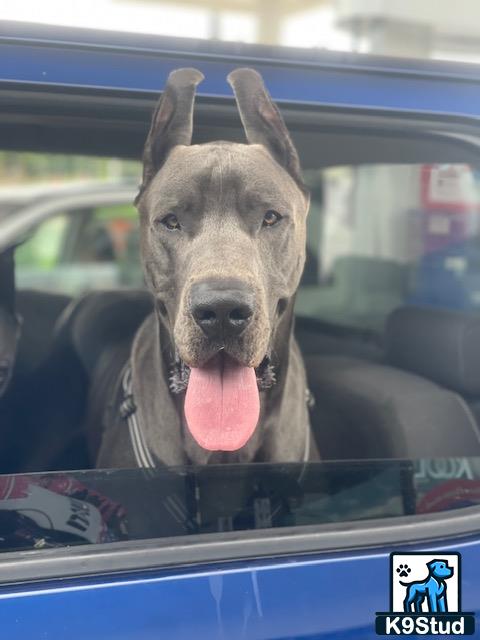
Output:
(387, 311)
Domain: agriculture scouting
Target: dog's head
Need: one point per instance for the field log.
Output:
(440, 569)
(222, 228)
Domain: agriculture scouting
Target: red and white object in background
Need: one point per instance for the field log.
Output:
(449, 206)
(448, 187)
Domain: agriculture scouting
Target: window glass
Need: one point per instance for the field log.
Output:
(107, 240)
(82, 250)
(43, 251)
(97, 250)
(384, 236)
(88, 246)
(42, 511)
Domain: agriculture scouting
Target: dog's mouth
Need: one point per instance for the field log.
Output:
(222, 403)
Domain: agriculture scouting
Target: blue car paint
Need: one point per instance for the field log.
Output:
(329, 596)
(321, 596)
(379, 86)
(106, 70)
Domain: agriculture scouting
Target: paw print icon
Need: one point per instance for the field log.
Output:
(403, 570)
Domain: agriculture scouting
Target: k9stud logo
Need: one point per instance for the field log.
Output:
(425, 596)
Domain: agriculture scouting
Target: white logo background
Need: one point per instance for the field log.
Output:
(417, 563)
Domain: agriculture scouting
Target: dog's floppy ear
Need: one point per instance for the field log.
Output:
(172, 121)
(263, 122)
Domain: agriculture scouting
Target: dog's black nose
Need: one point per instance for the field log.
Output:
(222, 308)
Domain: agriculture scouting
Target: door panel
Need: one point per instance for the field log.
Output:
(330, 596)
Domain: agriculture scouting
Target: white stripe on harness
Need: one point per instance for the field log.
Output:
(143, 457)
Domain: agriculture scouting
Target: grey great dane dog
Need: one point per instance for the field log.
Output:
(215, 374)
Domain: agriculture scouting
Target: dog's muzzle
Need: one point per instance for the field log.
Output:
(222, 402)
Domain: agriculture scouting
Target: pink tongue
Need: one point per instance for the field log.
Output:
(222, 405)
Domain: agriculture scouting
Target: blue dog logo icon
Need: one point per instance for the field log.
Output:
(425, 596)
(433, 589)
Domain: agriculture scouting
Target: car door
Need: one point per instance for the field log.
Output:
(267, 551)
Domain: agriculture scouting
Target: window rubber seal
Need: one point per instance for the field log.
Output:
(135, 555)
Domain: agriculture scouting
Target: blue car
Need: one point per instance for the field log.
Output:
(387, 317)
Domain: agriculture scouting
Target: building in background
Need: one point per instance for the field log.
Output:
(426, 29)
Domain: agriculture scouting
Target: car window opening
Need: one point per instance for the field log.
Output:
(387, 319)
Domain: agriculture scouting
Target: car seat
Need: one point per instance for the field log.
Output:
(95, 335)
(367, 410)
(439, 344)
(39, 311)
(24, 403)
(410, 406)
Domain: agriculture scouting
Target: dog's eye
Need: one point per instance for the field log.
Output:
(171, 222)
(271, 218)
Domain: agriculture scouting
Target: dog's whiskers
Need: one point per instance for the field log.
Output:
(180, 374)
(266, 376)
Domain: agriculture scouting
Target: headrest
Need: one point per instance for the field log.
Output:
(443, 346)
(39, 311)
(102, 319)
